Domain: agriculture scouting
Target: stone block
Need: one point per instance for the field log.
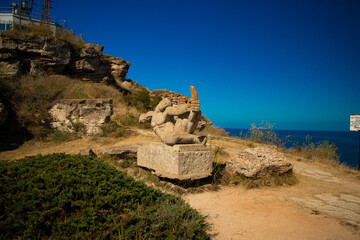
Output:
(182, 161)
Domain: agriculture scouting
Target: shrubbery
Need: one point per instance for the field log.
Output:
(75, 197)
(142, 101)
(322, 150)
(112, 129)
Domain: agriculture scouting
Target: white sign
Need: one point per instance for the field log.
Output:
(354, 122)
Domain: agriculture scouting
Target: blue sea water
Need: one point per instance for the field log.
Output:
(346, 142)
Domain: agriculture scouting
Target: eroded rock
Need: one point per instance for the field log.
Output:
(40, 55)
(258, 162)
(91, 113)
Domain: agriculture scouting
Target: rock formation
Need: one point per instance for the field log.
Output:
(92, 113)
(40, 55)
(258, 162)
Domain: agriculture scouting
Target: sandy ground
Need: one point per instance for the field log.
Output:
(325, 204)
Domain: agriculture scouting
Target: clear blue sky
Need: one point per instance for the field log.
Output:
(293, 63)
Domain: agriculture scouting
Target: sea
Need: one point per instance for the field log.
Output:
(346, 142)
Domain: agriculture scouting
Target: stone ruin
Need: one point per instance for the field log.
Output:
(181, 155)
(92, 113)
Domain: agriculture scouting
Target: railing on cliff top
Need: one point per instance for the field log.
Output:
(33, 17)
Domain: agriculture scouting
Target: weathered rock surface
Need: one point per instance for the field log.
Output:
(258, 162)
(182, 161)
(92, 113)
(40, 55)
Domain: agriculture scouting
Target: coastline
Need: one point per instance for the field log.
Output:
(347, 142)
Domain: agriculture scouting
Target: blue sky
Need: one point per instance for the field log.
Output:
(292, 63)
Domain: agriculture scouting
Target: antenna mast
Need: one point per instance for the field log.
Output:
(45, 14)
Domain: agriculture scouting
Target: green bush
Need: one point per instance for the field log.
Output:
(78, 127)
(142, 101)
(62, 196)
(112, 129)
(59, 136)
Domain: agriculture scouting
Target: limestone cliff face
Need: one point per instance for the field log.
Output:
(40, 55)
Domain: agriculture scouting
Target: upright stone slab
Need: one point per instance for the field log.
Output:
(181, 161)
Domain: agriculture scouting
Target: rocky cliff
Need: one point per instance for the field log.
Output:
(41, 55)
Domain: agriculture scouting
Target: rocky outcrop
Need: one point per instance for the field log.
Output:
(84, 115)
(40, 55)
(258, 162)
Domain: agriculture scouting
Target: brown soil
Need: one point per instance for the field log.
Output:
(237, 213)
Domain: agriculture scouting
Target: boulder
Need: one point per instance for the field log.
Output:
(258, 162)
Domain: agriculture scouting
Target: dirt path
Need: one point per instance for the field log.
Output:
(321, 206)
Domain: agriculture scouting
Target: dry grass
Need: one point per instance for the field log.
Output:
(211, 130)
(32, 97)
(29, 30)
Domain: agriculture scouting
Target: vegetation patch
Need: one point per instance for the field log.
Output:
(323, 150)
(273, 180)
(32, 97)
(112, 129)
(28, 30)
(77, 197)
(142, 101)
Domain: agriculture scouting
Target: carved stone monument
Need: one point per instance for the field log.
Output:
(181, 155)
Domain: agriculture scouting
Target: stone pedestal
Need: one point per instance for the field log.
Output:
(182, 161)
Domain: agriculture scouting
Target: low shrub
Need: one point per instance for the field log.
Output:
(78, 127)
(62, 196)
(263, 133)
(131, 121)
(322, 150)
(142, 101)
(112, 129)
(59, 136)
